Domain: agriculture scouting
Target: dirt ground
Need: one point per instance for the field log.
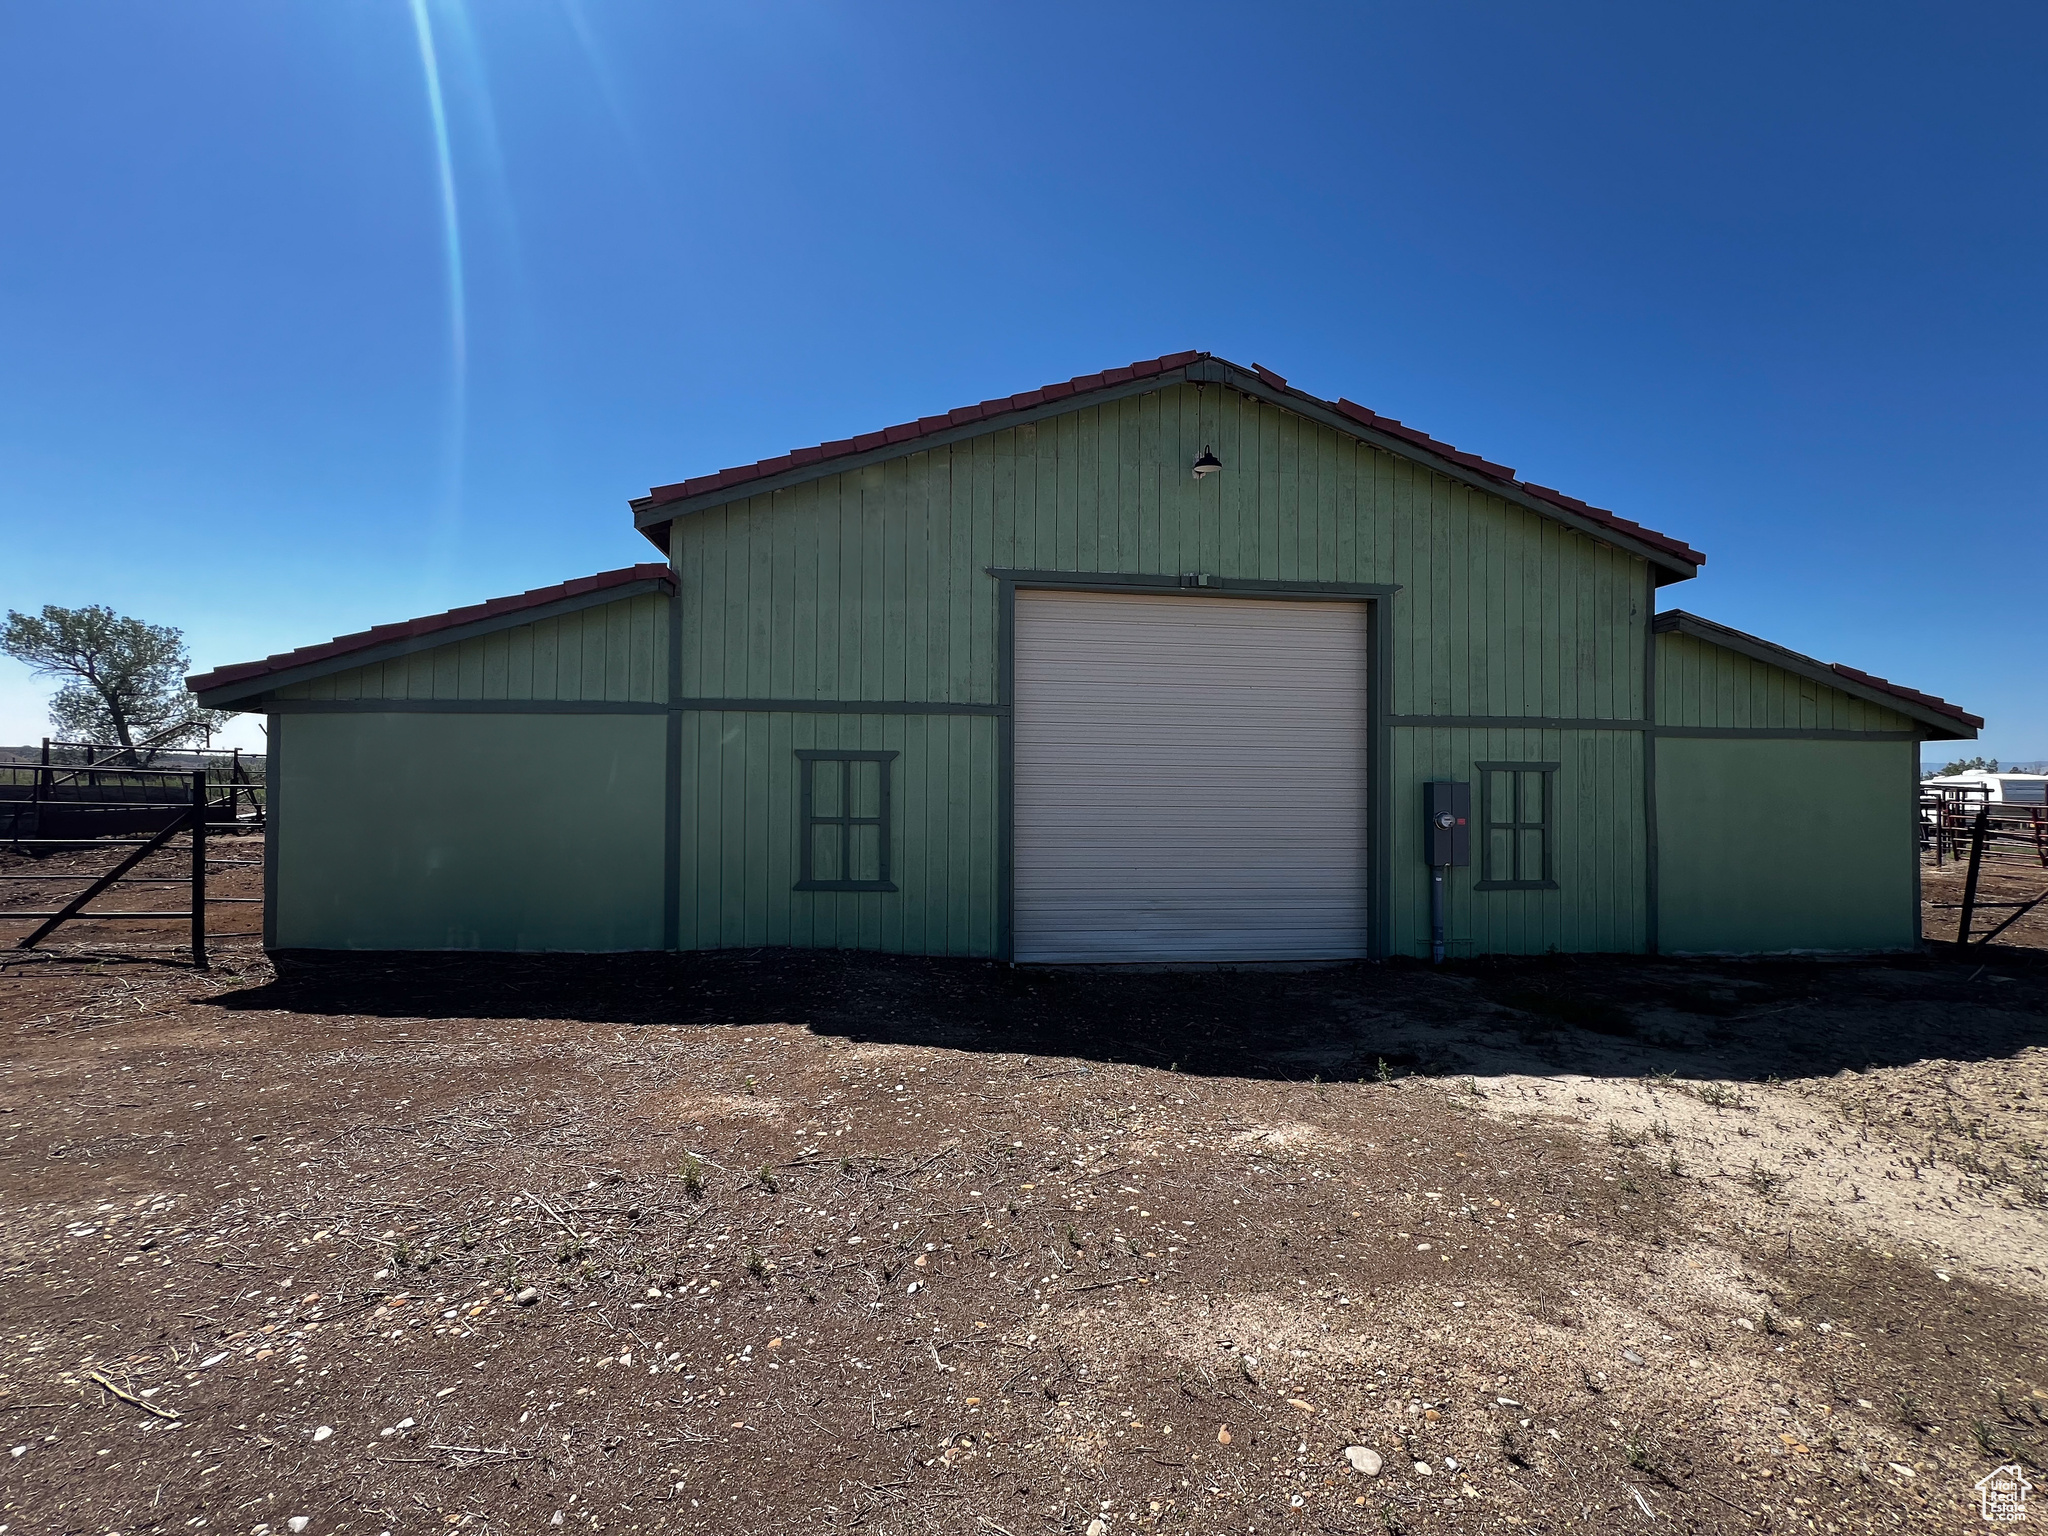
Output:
(796, 1242)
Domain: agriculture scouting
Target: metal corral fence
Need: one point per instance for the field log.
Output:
(81, 791)
(1996, 831)
(2013, 833)
(206, 812)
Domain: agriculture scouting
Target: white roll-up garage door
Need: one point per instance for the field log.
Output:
(1190, 778)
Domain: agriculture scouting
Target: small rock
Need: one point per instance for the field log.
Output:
(324, 1432)
(298, 1523)
(1451, 1463)
(527, 1297)
(1098, 1528)
(1900, 1467)
(1422, 1469)
(1632, 1357)
(1363, 1458)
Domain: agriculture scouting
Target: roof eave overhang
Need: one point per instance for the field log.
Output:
(652, 517)
(1944, 727)
(249, 695)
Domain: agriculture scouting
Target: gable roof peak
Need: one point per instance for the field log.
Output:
(1675, 559)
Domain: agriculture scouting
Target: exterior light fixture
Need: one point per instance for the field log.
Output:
(1207, 464)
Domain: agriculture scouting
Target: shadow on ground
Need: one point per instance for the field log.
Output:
(1622, 1016)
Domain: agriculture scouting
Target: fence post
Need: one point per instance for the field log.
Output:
(199, 869)
(1970, 880)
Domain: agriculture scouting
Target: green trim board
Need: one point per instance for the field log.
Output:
(1213, 586)
(1789, 733)
(1512, 723)
(278, 706)
(835, 707)
(273, 744)
(606, 707)
(1652, 937)
(672, 780)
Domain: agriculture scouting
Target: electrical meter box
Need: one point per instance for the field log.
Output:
(1446, 824)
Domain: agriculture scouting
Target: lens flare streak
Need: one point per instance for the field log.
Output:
(451, 229)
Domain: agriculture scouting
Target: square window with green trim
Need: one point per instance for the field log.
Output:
(1516, 802)
(844, 821)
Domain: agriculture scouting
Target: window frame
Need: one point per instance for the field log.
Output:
(1547, 827)
(808, 819)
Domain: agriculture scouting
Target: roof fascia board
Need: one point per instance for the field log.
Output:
(1678, 621)
(1506, 490)
(653, 513)
(238, 695)
(1206, 371)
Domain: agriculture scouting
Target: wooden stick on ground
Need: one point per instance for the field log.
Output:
(130, 1397)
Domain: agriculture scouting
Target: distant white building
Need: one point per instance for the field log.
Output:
(2001, 788)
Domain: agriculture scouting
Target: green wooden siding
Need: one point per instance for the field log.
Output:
(870, 584)
(1778, 845)
(871, 587)
(1699, 684)
(1597, 842)
(740, 829)
(467, 831)
(612, 652)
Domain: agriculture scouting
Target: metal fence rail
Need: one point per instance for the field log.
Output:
(1984, 835)
(193, 820)
(2013, 833)
(54, 803)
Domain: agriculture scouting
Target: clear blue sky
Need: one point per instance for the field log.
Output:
(1767, 278)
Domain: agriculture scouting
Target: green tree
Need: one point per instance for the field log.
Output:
(1967, 764)
(124, 680)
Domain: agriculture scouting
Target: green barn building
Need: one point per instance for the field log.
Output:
(1151, 665)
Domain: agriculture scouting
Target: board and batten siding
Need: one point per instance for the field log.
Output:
(610, 652)
(872, 586)
(1598, 841)
(1706, 685)
(1805, 839)
(740, 833)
